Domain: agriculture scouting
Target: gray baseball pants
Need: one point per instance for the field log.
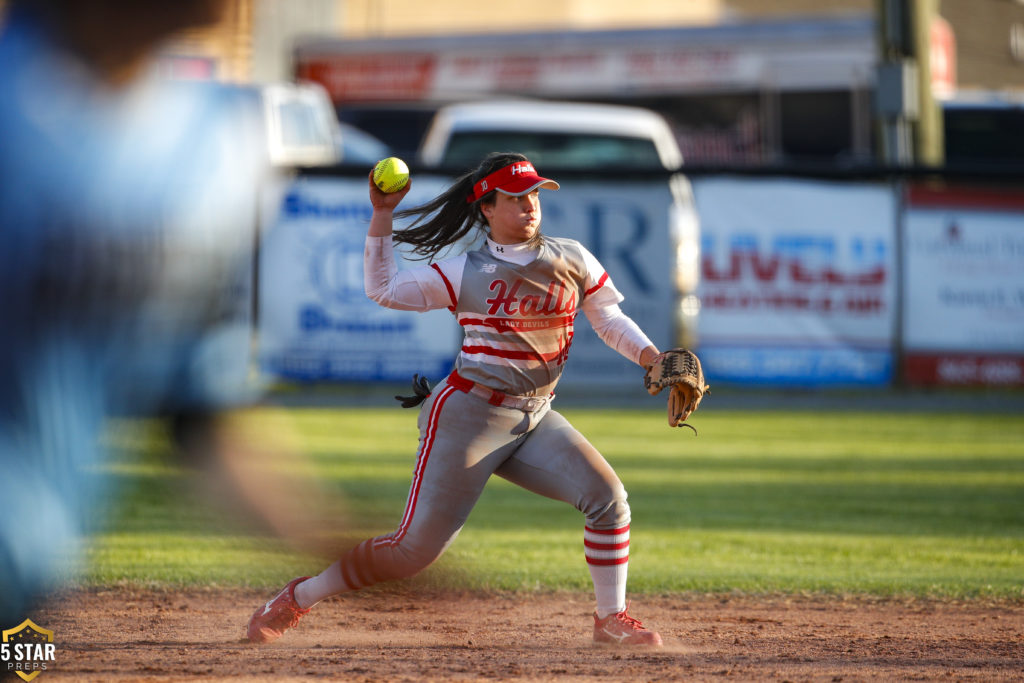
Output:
(463, 441)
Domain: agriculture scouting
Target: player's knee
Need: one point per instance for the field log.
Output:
(407, 559)
(412, 564)
(608, 508)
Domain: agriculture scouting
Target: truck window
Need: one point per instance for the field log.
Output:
(299, 125)
(559, 150)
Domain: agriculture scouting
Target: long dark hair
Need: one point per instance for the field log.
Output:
(449, 217)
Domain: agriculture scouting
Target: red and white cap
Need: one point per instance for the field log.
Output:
(515, 179)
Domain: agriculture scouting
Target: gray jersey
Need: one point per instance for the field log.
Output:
(518, 320)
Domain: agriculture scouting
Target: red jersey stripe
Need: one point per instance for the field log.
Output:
(608, 532)
(448, 285)
(599, 285)
(605, 546)
(513, 355)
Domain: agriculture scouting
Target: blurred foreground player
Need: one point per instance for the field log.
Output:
(516, 298)
(126, 206)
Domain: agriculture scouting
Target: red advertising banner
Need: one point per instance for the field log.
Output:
(352, 78)
(803, 54)
(412, 76)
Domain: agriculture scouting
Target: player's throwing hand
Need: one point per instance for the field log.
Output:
(386, 201)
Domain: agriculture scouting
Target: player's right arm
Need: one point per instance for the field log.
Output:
(417, 289)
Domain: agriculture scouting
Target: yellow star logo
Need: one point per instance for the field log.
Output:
(34, 632)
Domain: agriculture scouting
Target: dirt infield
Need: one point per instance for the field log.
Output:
(405, 636)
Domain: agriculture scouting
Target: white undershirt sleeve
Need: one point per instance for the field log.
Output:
(423, 288)
(616, 329)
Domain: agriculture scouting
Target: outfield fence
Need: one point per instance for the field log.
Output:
(813, 279)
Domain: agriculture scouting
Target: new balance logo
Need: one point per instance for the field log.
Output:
(488, 267)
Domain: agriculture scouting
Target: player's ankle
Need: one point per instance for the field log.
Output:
(302, 599)
(603, 613)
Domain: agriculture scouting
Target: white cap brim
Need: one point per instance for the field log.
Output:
(546, 184)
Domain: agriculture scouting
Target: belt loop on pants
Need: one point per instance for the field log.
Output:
(497, 398)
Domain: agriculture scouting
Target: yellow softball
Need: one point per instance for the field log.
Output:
(390, 174)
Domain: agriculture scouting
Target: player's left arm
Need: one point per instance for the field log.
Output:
(601, 306)
(620, 332)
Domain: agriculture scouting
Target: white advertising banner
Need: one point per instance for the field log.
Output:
(797, 281)
(964, 314)
(316, 323)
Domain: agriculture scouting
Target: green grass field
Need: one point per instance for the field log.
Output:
(760, 502)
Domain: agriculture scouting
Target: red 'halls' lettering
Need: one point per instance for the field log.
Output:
(769, 270)
(505, 300)
(556, 301)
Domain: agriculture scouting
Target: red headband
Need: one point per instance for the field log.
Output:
(515, 179)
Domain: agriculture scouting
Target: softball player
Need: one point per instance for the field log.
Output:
(516, 299)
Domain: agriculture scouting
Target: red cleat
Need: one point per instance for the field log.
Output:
(622, 629)
(270, 621)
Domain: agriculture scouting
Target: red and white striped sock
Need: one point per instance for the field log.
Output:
(607, 553)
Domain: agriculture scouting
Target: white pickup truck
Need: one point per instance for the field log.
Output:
(562, 134)
(303, 128)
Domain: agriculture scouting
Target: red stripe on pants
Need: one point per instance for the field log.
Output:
(421, 465)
